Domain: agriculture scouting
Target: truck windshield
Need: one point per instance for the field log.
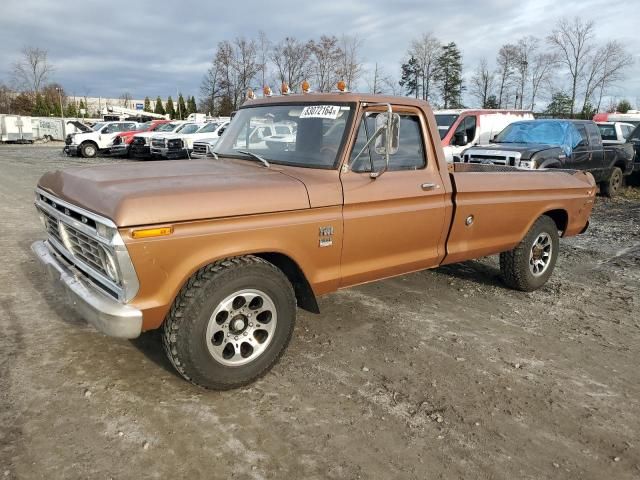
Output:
(312, 133)
(98, 126)
(548, 132)
(167, 127)
(209, 127)
(190, 128)
(444, 122)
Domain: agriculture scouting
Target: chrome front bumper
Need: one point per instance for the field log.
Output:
(103, 312)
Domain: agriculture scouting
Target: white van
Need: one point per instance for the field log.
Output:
(462, 128)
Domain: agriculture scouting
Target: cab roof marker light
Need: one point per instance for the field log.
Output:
(266, 91)
(342, 86)
(284, 88)
(250, 94)
(306, 87)
(152, 232)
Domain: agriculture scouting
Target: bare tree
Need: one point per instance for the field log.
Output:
(325, 62)
(210, 88)
(572, 40)
(32, 71)
(125, 100)
(264, 45)
(351, 66)
(606, 67)
(540, 69)
(425, 50)
(6, 97)
(245, 66)
(379, 82)
(291, 60)
(527, 48)
(506, 60)
(482, 83)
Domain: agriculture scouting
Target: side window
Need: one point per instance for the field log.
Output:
(626, 130)
(595, 139)
(467, 127)
(582, 135)
(410, 155)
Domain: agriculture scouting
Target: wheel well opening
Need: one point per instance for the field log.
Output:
(560, 217)
(304, 294)
(620, 164)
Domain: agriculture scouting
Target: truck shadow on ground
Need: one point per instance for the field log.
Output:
(473, 271)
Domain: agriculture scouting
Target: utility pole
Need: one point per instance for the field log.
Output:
(64, 129)
(177, 100)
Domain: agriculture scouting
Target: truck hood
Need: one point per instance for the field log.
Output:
(526, 150)
(168, 192)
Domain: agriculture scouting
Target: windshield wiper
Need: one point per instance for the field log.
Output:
(256, 156)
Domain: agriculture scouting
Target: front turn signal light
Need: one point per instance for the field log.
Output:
(152, 232)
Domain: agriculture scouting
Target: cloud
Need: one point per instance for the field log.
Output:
(155, 47)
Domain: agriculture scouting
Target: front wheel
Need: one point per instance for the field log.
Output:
(230, 323)
(610, 188)
(88, 150)
(528, 266)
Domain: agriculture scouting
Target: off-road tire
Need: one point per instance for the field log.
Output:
(184, 331)
(88, 150)
(515, 264)
(611, 187)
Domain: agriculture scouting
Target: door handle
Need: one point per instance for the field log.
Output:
(429, 186)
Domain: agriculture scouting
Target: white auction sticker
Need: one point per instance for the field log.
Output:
(320, 111)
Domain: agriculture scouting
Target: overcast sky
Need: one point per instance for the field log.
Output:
(155, 47)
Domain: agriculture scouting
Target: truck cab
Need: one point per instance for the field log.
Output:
(99, 139)
(463, 128)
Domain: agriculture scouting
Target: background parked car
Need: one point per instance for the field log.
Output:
(463, 128)
(573, 144)
(615, 132)
(99, 139)
(122, 141)
(141, 143)
(172, 145)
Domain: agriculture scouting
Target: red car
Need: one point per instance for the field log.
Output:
(122, 141)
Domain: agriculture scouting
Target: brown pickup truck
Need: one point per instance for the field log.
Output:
(220, 252)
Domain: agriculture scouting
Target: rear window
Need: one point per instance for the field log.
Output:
(608, 132)
(444, 122)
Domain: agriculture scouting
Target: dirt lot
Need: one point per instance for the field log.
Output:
(438, 374)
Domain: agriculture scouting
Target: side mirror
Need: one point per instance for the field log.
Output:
(460, 139)
(221, 131)
(389, 139)
(493, 139)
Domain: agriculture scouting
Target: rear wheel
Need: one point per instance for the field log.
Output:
(230, 323)
(611, 187)
(89, 150)
(528, 266)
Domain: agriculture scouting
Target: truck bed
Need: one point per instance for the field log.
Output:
(493, 211)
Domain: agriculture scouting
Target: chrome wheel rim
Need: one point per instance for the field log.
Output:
(616, 181)
(90, 151)
(540, 254)
(241, 327)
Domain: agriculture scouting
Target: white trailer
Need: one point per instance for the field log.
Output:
(50, 128)
(15, 128)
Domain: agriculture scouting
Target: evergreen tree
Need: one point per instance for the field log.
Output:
(182, 108)
(40, 107)
(560, 105)
(81, 107)
(492, 102)
(147, 104)
(159, 108)
(171, 111)
(624, 106)
(409, 79)
(70, 111)
(191, 105)
(448, 76)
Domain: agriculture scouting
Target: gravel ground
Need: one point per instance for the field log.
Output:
(437, 374)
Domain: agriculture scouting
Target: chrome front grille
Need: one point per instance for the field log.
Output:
(200, 148)
(81, 246)
(493, 157)
(157, 142)
(72, 232)
(139, 141)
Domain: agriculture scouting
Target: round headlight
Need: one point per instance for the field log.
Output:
(110, 265)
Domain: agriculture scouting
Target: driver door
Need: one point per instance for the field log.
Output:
(395, 223)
